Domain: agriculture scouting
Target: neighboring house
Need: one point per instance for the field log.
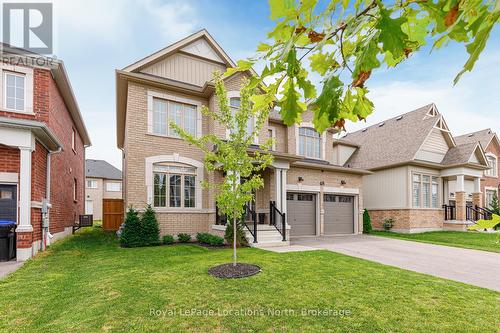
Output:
(418, 167)
(490, 182)
(42, 154)
(102, 181)
(318, 197)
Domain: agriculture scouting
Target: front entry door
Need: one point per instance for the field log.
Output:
(8, 203)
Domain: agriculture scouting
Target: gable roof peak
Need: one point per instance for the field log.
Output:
(178, 45)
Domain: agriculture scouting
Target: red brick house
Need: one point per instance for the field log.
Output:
(42, 153)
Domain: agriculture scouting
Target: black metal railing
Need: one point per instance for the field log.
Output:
(222, 220)
(476, 213)
(253, 226)
(450, 212)
(277, 219)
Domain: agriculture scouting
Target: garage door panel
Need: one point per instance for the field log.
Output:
(339, 214)
(301, 211)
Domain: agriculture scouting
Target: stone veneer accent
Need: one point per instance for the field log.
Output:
(461, 198)
(409, 220)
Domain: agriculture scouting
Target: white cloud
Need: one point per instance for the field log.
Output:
(175, 19)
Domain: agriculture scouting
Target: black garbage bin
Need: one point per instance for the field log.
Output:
(7, 240)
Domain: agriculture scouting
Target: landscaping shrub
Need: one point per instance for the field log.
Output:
(240, 234)
(216, 240)
(184, 238)
(203, 237)
(367, 222)
(150, 229)
(168, 239)
(131, 235)
(388, 224)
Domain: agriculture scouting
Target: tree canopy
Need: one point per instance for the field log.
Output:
(344, 42)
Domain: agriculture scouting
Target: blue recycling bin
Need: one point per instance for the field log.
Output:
(7, 240)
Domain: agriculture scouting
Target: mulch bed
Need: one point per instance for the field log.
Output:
(228, 271)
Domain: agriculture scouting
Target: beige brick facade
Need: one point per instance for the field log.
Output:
(409, 220)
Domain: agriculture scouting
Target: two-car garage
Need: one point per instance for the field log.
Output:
(303, 210)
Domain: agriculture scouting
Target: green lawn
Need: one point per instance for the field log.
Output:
(470, 240)
(87, 284)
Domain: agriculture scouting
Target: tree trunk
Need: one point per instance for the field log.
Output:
(234, 241)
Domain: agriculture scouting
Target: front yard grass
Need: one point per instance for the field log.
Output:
(87, 283)
(470, 239)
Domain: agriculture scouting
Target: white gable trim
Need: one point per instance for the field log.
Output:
(201, 48)
(178, 45)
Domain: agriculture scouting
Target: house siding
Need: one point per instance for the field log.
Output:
(387, 189)
(434, 148)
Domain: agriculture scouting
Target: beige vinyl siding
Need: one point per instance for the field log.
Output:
(185, 68)
(386, 189)
(434, 148)
(341, 154)
(474, 159)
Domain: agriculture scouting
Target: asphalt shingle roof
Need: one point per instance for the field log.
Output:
(101, 169)
(459, 154)
(396, 141)
(483, 137)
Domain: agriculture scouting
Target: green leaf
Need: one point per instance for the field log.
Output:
(477, 46)
(307, 5)
(366, 59)
(263, 47)
(391, 35)
(328, 105)
(322, 62)
(280, 8)
(291, 107)
(306, 85)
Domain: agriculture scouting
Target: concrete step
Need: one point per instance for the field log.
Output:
(270, 244)
(262, 227)
(268, 237)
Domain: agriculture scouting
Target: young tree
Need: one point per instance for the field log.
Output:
(132, 231)
(367, 222)
(495, 208)
(231, 156)
(150, 230)
(344, 41)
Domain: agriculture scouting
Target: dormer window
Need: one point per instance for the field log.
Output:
(309, 142)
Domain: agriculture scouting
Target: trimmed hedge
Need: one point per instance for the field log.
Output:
(367, 222)
(140, 231)
(184, 238)
(168, 239)
(209, 239)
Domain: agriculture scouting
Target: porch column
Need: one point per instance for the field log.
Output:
(24, 230)
(24, 223)
(477, 197)
(280, 185)
(461, 198)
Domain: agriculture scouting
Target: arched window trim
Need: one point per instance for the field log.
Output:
(322, 138)
(175, 158)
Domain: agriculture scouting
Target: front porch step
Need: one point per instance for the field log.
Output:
(262, 227)
(266, 237)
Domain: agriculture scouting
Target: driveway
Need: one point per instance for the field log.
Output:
(479, 268)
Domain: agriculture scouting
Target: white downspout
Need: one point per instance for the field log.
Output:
(46, 235)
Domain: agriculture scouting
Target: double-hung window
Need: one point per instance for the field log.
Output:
(15, 91)
(492, 162)
(425, 191)
(165, 112)
(92, 184)
(174, 186)
(235, 104)
(309, 142)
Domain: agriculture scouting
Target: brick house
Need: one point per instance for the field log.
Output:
(42, 153)
(419, 168)
(490, 182)
(316, 196)
(102, 181)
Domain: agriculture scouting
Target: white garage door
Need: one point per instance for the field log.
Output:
(339, 214)
(301, 212)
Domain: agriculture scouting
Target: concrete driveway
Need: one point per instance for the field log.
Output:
(479, 268)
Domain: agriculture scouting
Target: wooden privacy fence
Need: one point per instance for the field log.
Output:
(112, 214)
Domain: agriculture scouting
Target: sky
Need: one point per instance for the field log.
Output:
(95, 37)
